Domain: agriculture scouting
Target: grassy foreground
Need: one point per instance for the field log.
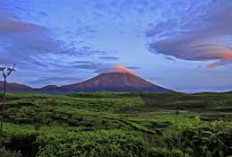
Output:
(117, 125)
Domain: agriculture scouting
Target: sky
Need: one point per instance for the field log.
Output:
(183, 45)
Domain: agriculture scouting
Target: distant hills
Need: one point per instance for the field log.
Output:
(121, 80)
(16, 87)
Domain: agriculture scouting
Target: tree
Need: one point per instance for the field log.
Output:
(5, 73)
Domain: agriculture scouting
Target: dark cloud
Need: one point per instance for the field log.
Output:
(81, 51)
(203, 37)
(87, 51)
(88, 66)
(85, 31)
(170, 58)
(42, 13)
(110, 58)
(57, 79)
(20, 40)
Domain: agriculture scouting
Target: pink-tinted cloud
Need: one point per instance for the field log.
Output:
(226, 58)
(120, 68)
(226, 54)
(212, 65)
(21, 40)
(205, 37)
(114, 68)
(9, 25)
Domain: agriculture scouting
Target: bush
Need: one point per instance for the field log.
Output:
(6, 153)
(163, 152)
(210, 140)
(94, 144)
(23, 143)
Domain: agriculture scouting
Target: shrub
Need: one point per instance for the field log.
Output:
(210, 140)
(163, 152)
(94, 144)
(6, 153)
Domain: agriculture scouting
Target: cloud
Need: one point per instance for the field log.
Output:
(216, 64)
(111, 68)
(170, 58)
(213, 65)
(57, 79)
(71, 65)
(88, 66)
(42, 55)
(32, 46)
(204, 37)
(87, 51)
(109, 58)
(20, 40)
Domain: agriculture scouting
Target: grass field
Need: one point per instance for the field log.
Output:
(108, 124)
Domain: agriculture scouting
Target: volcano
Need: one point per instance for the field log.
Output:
(116, 79)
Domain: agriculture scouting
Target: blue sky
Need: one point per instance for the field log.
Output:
(181, 45)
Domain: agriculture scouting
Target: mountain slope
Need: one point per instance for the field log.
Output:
(16, 87)
(49, 89)
(114, 81)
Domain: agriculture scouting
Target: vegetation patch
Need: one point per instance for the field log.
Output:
(117, 125)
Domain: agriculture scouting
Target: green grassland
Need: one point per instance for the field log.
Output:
(106, 124)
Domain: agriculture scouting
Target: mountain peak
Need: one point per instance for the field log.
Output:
(119, 79)
(117, 69)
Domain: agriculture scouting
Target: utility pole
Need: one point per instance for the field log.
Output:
(5, 73)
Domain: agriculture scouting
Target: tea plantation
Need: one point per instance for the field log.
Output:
(106, 124)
